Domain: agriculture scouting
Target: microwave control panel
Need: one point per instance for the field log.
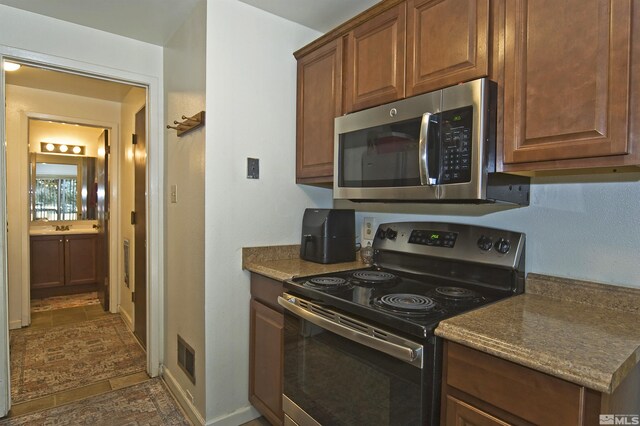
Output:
(455, 149)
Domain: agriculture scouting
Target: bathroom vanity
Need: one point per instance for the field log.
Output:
(62, 263)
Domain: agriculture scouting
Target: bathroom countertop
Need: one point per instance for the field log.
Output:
(586, 333)
(283, 262)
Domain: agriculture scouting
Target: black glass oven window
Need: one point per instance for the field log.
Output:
(339, 382)
(381, 156)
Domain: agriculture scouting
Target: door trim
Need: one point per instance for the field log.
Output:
(155, 202)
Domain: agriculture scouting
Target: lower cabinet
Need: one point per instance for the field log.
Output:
(266, 348)
(481, 389)
(62, 260)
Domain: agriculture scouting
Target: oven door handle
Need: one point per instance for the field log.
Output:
(400, 351)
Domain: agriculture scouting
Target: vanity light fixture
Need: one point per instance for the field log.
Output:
(58, 148)
(11, 66)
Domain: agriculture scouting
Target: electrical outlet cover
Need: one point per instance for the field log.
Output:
(368, 228)
(253, 168)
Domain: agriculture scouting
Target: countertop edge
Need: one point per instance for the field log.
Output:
(266, 271)
(602, 382)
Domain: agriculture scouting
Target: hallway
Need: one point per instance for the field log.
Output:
(80, 365)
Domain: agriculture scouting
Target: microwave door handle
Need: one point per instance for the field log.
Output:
(425, 179)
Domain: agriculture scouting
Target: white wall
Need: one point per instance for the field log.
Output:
(21, 101)
(41, 34)
(131, 104)
(184, 70)
(583, 227)
(251, 92)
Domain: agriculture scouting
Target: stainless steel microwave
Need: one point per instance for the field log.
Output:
(439, 146)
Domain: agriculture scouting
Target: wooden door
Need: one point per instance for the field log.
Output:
(319, 103)
(140, 232)
(266, 360)
(47, 261)
(375, 62)
(447, 43)
(102, 216)
(566, 84)
(80, 259)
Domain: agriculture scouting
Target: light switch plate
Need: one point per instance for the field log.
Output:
(253, 168)
(174, 193)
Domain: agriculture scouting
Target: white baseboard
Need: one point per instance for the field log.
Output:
(15, 324)
(127, 319)
(182, 398)
(238, 417)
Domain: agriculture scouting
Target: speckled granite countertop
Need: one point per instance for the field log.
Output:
(583, 332)
(283, 263)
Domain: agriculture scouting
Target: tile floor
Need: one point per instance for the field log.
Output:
(68, 316)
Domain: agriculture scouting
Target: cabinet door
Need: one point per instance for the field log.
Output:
(47, 261)
(319, 103)
(375, 63)
(266, 361)
(460, 413)
(447, 43)
(80, 259)
(566, 84)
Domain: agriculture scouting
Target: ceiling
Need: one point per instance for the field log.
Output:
(155, 21)
(321, 15)
(72, 84)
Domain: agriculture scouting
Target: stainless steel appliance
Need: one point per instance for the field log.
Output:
(439, 146)
(360, 345)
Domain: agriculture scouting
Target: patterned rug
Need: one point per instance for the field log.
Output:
(147, 403)
(45, 361)
(61, 302)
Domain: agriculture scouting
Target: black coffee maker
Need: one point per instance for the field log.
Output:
(328, 235)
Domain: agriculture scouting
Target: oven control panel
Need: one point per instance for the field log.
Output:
(433, 238)
(452, 241)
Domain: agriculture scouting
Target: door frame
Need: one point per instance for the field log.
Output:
(114, 141)
(155, 202)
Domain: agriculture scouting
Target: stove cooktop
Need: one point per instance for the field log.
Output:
(400, 301)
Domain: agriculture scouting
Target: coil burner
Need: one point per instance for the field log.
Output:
(457, 293)
(374, 277)
(406, 304)
(327, 283)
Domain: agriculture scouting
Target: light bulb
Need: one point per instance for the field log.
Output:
(50, 147)
(63, 148)
(11, 66)
(76, 150)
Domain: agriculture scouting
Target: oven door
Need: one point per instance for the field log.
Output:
(341, 371)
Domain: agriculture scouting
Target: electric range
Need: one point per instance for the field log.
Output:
(343, 328)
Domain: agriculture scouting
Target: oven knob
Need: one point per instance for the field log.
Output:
(503, 246)
(391, 234)
(485, 243)
(381, 234)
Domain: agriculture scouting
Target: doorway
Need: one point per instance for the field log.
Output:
(58, 103)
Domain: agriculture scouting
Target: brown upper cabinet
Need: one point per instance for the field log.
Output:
(447, 43)
(319, 102)
(375, 60)
(567, 84)
(567, 74)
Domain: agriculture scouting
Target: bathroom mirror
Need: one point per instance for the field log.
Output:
(62, 187)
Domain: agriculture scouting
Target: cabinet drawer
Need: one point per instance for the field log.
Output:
(533, 396)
